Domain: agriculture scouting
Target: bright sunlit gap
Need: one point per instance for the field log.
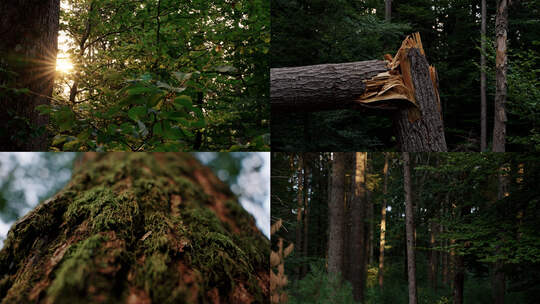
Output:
(63, 64)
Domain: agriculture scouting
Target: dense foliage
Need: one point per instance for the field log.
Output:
(163, 75)
(313, 32)
(456, 201)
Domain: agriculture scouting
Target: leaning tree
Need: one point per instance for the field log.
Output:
(137, 228)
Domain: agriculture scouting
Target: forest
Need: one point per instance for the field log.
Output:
(388, 227)
(149, 75)
(460, 39)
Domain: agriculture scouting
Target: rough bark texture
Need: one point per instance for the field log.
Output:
(299, 207)
(369, 216)
(433, 256)
(501, 26)
(306, 213)
(459, 279)
(483, 103)
(335, 208)
(409, 226)
(321, 87)
(28, 46)
(137, 228)
(358, 233)
(387, 10)
(427, 133)
(383, 223)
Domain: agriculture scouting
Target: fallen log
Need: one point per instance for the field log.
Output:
(404, 85)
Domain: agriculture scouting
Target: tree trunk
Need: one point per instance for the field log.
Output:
(335, 208)
(411, 264)
(501, 27)
(307, 171)
(459, 279)
(370, 217)
(387, 10)
(137, 228)
(383, 222)
(299, 202)
(434, 256)
(498, 276)
(405, 84)
(28, 47)
(321, 87)
(427, 133)
(483, 106)
(358, 236)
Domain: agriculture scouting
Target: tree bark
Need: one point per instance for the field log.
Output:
(307, 171)
(427, 133)
(483, 103)
(411, 264)
(321, 87)
(434, 256)
(501, 28)
(299, 202)
(335, 208)
(498, 276)
(29, 31)
(387, 10)
(459, 279)
(370, 217)
(137, 228)
(383, 222)
(358, 235)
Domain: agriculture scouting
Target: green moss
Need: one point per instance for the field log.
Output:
(70, 280)
(241, 218)
(105, 210)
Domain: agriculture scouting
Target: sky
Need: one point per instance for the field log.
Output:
(253, 187)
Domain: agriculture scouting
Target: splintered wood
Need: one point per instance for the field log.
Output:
(396, 83)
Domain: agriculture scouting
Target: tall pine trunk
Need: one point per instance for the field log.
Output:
(383, 222)
(358, 235)
(483, 103)
(387, 10)
(299, 207)
(307, 171)
(137, 228)
(28, 46)
(501, 29)
(336, 215)
(409, 225)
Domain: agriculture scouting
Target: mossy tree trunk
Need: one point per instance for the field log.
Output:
(137, 228)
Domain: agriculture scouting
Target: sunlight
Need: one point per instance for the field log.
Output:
(63, 65)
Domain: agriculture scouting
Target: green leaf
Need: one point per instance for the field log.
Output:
(183, 101)
(226, 69)
(158, 128)
(44, 109)
(58, 140)
(142, 128)
(201, 123)
(140, 90)
(137, 112)
(169, 87)
(65, 118)
(71, 145)
(182, 76)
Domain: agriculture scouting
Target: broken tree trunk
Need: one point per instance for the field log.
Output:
(137, 228)
(405, 84)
